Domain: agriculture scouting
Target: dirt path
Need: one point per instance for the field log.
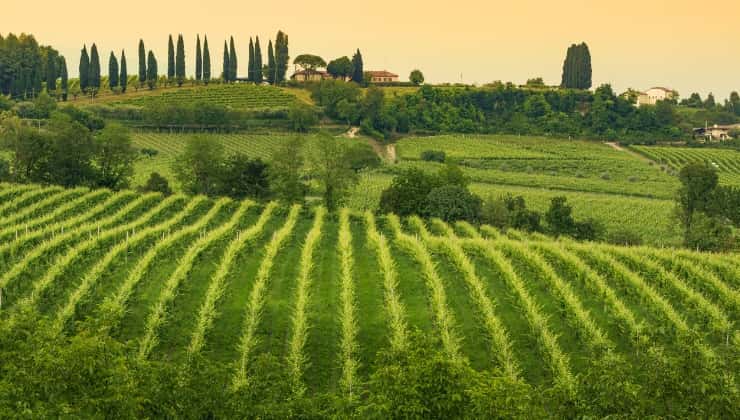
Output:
(387, 152)
(619, 148)
(390, 151)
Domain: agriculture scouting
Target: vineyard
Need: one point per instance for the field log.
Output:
(233, 281)
(237, 96)
(727, 161)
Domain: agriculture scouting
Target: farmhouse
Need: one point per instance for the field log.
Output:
(716, 132)
(382, 77)
(653, 95)
(310, 76)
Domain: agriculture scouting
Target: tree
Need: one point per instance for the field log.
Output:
(206, 61)
(698, 182)
(198, 60)
(243, 177)
(340, 68)
(151, 71)
(559, 217)
(156, 183)
(170, 60)
(115, 157)
(285, 172)
(332, 170)
(142, 64)
(408, 192)
(233, 67)
(708, 233)
(309, 62)
(123, 80)
(70, 153)
(180, 61)
(361, 156)
(358, 71)
(112, 71)
(416, 77)
(226, 74)
(84, 70)
(271, 65)
(710, 103)
(302, 117)
(250, 65)
(536, 106)
(282, 57)
(64, 76)
(451, 203)
(51, 72)
(577, 67)
(257, 61)
(198, 168)
(94, 78)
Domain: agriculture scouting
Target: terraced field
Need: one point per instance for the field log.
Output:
(231, 281)
(727, 161)
(238, 96)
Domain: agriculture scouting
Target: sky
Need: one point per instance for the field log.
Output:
(685, 45)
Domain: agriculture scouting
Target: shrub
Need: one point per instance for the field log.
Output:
(433, 156)
(452, 202)
(156, 183)
(149, 152)
(362, 156)
(302, 118)
(408, 192)
(708, 233)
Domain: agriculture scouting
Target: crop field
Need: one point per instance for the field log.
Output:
(238, 96)
(727, 161)
(230, 281)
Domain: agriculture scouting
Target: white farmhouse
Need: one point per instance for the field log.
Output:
(653, 95)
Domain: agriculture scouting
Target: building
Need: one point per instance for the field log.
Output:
(382, 77)
(310, 76)
(715, 133)
(653, 95)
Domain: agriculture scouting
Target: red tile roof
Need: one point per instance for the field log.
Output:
(382, 73)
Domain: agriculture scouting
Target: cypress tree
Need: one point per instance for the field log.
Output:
(51, 72)
(232, 61)
(358, 70)
(206, 61)
(112, 71)
(151, 71)
(142, 63)
(227, 66)
(198, 61)
(170, 60)
(577, 68)
(84, 69)
(281, 56)
(257, 61)
(94, 78)
(65, 77)
(180, 61)
(270, 64)
(123, 80)
(250, 66)
(586, 71)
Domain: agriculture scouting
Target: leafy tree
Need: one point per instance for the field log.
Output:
(536, 106)
(332, 170)
(362, 156)
(142, 64)
(233, 67)
(198, 168)
(115, 157)
(64, 77)
(559, 217)
(156, 183)
(123, 80)
(243, 177)
(416, 77)
(94, 78)
(180, 61)
(112, 72)
(257, 61)
(340, 68)
(698, 182)
(198, 60)
(271, 64)
(309, 62)
(536, 82)
(710, 103)
(302, 117)
(151, 71)
(282, 57)
(329, 93)
(433, 156)
(84, 69)
(710, 233)
(408, 192)
(510, 212)
(206, 61)
(70, 153)
(358, 70)
(452, 202)
(170, 60)
(285, 172)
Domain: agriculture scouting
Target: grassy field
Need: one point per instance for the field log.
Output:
(727, 161)
(234, 280)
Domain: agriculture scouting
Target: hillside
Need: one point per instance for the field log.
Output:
(231, 281)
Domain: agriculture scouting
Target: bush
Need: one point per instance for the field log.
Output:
(433, 156)
(708, 233)
(452, 202)
(156, 183)
(302, 118)
(408, 192)
(362, 156)
(150, 153)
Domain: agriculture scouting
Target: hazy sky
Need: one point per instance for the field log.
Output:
(686, 45)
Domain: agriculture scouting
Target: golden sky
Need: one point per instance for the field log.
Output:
(686, 45)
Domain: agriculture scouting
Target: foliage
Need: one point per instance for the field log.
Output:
(708, 233)
(243, 177)
(362, 156)
(332, 169)
(340, 68)
(199, 167)
(285, 172)
(115, 157)
(416, 77)
(156, 183)
(358, 68)
(302, 118)
(408, 192)
(577, 67)
(433, 156)
(452, 202)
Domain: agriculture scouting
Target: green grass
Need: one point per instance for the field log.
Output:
(323, 368)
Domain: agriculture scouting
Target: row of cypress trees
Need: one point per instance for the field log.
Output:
(277, 60)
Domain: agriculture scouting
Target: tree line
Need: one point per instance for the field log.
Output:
(27, 67)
